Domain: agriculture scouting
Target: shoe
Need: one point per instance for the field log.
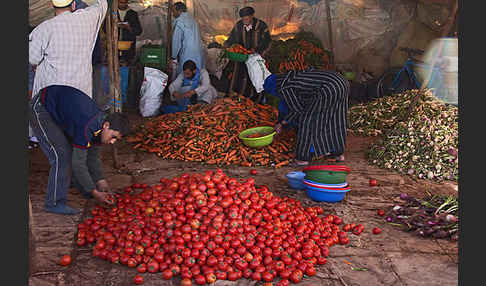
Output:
(62, 209)
(34, 139)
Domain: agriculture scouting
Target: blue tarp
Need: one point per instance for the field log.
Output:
(123, 81)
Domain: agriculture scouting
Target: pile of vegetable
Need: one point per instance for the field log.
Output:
(299, 53)
(424, 147)
(209, 133)
(433, 216)
(208, 226)
(239, 49)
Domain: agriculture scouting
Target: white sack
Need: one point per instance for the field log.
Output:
(152, 89)
(257, 71)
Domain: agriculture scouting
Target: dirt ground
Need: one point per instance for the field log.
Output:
(392, 258)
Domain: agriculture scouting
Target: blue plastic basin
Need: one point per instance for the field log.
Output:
(295, 180)
(323, 195)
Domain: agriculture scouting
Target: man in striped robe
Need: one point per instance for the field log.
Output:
(317, 103)
(252, 34)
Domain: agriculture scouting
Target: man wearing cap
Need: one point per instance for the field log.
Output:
(62, 110)
(253, 34)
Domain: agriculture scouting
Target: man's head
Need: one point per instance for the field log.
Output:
(64, 5)
(247, 14)
(179, 8)
(115, 126)
(189, 69)
(123, 4)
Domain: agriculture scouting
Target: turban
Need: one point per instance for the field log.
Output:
(247, 11)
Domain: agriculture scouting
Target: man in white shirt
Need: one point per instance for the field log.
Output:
(61, 48)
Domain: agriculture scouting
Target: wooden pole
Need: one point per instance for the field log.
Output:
(329, 27)
(113, 67)
(32, 253)
(169, 35)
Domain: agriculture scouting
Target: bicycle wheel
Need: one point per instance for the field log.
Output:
(389, 83)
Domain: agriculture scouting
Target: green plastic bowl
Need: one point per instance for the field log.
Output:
(326, 176)
(236, 57)
(260, 141)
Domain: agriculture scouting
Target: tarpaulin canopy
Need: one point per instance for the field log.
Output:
(369, 27)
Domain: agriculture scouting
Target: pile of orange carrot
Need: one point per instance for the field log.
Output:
(209, 133)
(304, 56)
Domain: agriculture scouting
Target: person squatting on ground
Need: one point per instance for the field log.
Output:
(192, 86)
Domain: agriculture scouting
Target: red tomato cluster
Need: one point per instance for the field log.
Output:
(208, 227)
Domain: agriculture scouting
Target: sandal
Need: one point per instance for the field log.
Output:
(336, 158)
(298, 164)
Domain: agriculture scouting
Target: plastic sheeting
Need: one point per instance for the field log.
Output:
(357, 25)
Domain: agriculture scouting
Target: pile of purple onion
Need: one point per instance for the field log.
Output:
(433, 216)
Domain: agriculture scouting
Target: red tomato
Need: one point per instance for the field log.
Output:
(296, 276)
(380, 212)
(167, 274)
(267, 276)
(376, 230)
(310, 271)
(253, 172)
(186, 282)
(200, 279)
(65, 260)
(372, 182)
(138, 279)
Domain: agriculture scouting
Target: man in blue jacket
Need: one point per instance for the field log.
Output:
(62, 116)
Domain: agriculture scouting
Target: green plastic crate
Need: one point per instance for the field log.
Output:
(154, 55)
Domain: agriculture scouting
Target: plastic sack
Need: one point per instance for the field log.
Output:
(257, 71)
(153, 86)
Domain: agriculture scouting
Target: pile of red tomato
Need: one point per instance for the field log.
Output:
(209, 226)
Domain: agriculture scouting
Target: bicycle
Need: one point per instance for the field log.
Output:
(399, 79)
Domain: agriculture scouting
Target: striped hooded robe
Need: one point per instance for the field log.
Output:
(257, 38)
(317, 103)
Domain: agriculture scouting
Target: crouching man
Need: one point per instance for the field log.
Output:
(192, 86)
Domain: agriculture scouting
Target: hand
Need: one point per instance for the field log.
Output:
(125, 26)
(102, 197)
(172, 64)
(188, 94)
(103, 186)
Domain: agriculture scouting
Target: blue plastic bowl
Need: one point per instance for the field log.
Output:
(295, 180)
(322, 195)
(321, 185)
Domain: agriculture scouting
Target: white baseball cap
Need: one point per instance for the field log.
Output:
(61, 3)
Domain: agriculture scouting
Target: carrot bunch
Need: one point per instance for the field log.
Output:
(302, 57)
(209, 133)
(296, 61)
(239, 49)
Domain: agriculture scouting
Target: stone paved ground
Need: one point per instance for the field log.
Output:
(392, 258)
